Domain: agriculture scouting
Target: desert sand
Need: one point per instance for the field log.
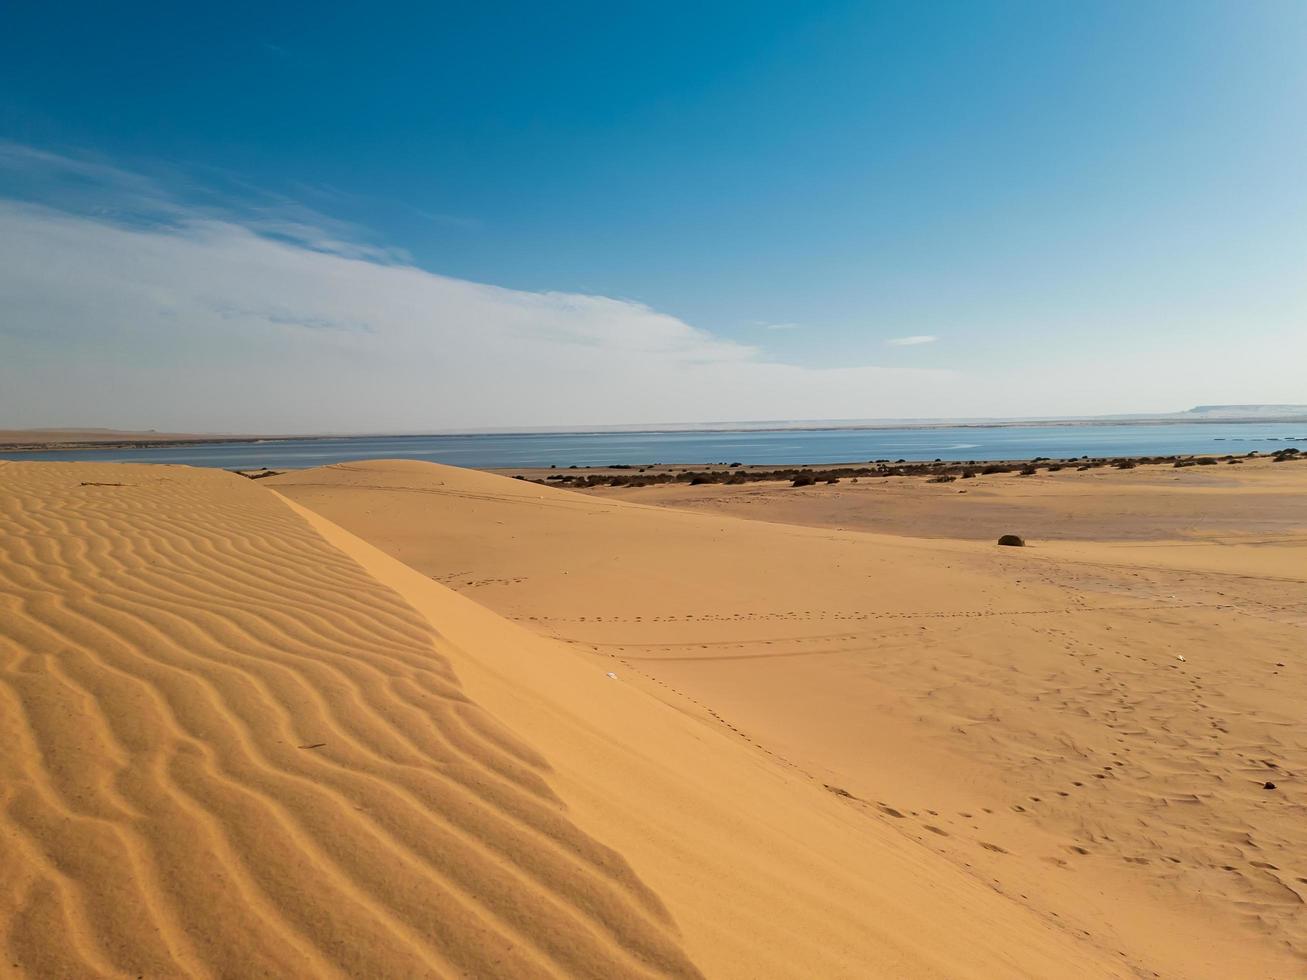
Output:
(1102, 730)
(237, 739)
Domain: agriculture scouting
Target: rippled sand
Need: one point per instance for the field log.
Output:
(238, 740)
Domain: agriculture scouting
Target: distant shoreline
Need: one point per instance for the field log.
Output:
(165, 441)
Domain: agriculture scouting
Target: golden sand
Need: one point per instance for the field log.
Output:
(228, 751)
(238, 740)
(1084, 727)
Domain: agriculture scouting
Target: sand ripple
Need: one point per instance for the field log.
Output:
(225, 750)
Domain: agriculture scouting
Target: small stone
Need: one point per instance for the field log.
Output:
(1012, 541)
(1268, 786)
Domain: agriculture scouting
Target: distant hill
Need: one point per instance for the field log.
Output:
(1247, 411)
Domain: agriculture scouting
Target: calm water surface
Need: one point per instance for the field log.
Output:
(777, 447)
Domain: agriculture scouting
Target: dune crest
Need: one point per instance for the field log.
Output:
(225, 750)
(769, 870)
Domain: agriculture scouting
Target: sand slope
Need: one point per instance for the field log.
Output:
(769, 872)
(236, 740)
(225, 750)
(1023, 714)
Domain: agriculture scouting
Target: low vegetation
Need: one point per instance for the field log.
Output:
(936, 471)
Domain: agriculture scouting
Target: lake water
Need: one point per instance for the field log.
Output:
(773, 447)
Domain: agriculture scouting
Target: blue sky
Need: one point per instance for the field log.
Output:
(1109, 193)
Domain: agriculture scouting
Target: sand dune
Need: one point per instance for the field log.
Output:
(227, 751)
(239, 741)
(1025, 715)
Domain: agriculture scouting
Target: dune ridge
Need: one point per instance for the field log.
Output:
(229, 751)
(770, 871)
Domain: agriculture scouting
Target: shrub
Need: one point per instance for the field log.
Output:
(1012, 541)
(1028, 471)
(803, 480)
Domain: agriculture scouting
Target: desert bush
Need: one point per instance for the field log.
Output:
(803, 480)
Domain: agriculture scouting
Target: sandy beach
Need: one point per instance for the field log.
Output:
(395, 718)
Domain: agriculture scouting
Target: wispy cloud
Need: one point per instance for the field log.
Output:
(781, 326)
(94, 188)
(912, 341)
(143, 310)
